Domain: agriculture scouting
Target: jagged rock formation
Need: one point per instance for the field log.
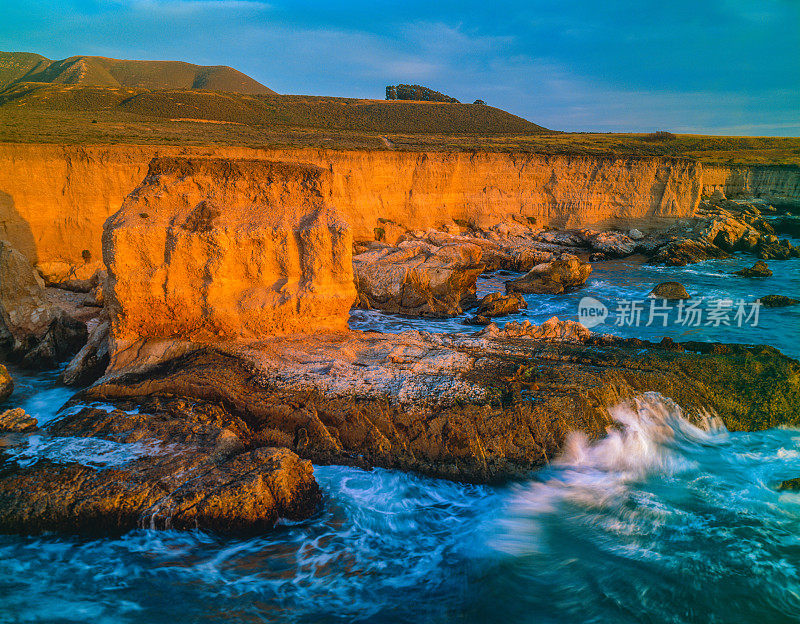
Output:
(418, 278)
(31, 327)
(180, 466)
(568, 272)
(6, 383)
(211, 249)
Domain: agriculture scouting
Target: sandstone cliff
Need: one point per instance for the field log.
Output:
(774, 184)
(208, 249)
(54, 199)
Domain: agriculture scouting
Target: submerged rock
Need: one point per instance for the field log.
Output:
(178, 467)
(759, 269)
(790, 484)
(777, 301)
(670, 290)
(566, 273)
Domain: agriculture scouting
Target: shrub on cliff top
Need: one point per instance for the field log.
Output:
(660, 135)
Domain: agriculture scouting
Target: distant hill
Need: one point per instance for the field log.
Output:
(98, 71)
(264, 111)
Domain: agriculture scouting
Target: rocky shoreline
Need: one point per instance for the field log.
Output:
(216, 326)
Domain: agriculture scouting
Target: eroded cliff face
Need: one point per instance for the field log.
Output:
(774, 184)
(55, 199)
(220, 249)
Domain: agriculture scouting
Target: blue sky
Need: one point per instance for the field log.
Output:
(710, 66)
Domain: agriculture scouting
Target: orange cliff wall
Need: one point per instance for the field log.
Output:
(54, 199)
(774, 184)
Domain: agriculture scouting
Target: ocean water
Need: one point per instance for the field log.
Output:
(619, 284)
(662, 521)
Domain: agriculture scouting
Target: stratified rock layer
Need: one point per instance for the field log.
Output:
(212, 249)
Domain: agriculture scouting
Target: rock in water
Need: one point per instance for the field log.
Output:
(686, 251)
(777, 301)
(181, 467)
(670, 290)
(17, 420)
(759, 269)
(557, 276)
(6, 383)
(613, 244)
(31, 327)
(419, 279)
(791, 485)
(496, 304)
(211, 249)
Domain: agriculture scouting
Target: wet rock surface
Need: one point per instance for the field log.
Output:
(759, 269)
(180, 465)
(670, 290)
(480, 408)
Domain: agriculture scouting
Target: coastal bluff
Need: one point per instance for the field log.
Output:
(54, 199)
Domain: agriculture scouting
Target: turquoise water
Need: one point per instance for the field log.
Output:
(631, 280)
(662, 521)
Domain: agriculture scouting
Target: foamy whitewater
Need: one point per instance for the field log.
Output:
(670, 518)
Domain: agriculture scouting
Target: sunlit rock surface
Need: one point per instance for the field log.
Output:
(211, 249)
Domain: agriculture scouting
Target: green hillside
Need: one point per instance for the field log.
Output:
(19, 67)
(285, 111)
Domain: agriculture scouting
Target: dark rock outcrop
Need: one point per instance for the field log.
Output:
(670, 290)
(479, 408)
(777, 301)
(759, 269)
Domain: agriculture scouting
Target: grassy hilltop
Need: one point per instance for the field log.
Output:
(98, 71)
(93, 100)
